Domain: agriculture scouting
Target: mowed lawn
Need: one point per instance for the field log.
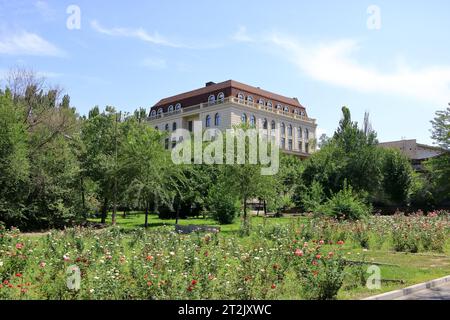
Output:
(398, 269)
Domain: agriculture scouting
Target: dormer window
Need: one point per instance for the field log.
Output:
(160, 111)
(278, 106)
(261, 102)
(170, 109)
(269, 104)
(241, 97)
(153, 113)
(250, 99)
(212, 99)
(286, 109)
(295, 111)
(221, 97)
(178, 106)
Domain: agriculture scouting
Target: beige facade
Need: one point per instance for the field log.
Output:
(298, 136)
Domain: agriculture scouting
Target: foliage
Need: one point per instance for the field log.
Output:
(223, 204)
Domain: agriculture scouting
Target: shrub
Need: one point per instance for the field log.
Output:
(224, 205)
(345, 205)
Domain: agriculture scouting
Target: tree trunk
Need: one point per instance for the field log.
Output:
(104, 210)
(83, 200)
(265, 207)
(245, 208)
(177, 214)
(146, 215)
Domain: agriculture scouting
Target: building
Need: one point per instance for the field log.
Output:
(223, 105)
(416, 152)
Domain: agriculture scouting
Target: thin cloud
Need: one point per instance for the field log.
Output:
(27, 43)
(154, 63)
(139, 33)
(241, 35)
(45, 10)
(335, 63)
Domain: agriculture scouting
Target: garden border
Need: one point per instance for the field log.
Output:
(409, 290)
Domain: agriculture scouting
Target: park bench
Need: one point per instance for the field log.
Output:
(195, 228)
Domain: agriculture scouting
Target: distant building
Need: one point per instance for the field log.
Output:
(223, 105)
(416, 152)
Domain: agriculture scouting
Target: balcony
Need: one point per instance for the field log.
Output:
(233, 100)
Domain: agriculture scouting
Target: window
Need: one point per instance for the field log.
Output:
(283, 128)
(170, 109)
(290, 131)
(174, 126)
(278, 106)
(252, 121)
(261, 102)
(269, 104)
(167, 127)
(174, 144)
(177, 106)
(190, 126)
(250, 99)
(153, 113)
(290, 144)
(212, 99)
(265, 124)
(295, 111)
(160, 111)
(300, 133)
(221, 97)
(208, 121)
(286, 109)
(273, 126)
(306, 134)
(240, 97)
(244, 118)
(307, 147)
(217, 119)
(283, 143)
(300, 146)
(166, 144)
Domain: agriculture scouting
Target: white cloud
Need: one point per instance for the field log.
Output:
(27, 43)
(241, 35)
(154, 63)
(334, 63)
(139, 33)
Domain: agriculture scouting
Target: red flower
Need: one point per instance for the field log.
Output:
(149, 258)
(314, 263)
(18, 275)
(318, 256)
(149, 283)
(340, 242)
(321, 242)
(6, 282)
(189, 288)
(206, 253)
(19, 245)
(315, 273)
(298, 253)
(194, 282)
(330, 254)
(273, 286)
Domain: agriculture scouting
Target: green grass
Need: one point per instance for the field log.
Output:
(137, 219)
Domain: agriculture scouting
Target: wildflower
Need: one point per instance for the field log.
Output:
(149, 283)
(330, 254)
(305, 244)
(273, 286)
(194, 282)
(318, 257)
(315, 273)
(91, 291)
(340, 242)
(18, 275)
(1, 263)
(299, 253)
(321, 242)
(149, 258)
(314, 263)
(66, 257)
(19, 246)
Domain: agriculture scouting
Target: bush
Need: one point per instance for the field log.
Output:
(345, 205)
(224, 205)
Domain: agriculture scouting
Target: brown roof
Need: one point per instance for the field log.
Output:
(229, 88)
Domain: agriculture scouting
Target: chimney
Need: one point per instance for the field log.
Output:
(210, 83)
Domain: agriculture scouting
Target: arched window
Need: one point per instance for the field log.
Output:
(279, 106)
(244, 118)
(241, 97)
(167, 127)
(295, 111)
(153, 113)
(261, 102)
(300, 133)
(250, 99)
(273, 125)
(252, 121)
(265, 124)
(221, 97)
(283, 128)
(208, 121)
(290, 130)
(286, 109)
(177, 106)
(269, 104)
(174, 126)
(170, 109)
(306, 134)
(212, 99)
(217, 119)
(160, 111)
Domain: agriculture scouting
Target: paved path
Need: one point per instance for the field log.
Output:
(437, 293)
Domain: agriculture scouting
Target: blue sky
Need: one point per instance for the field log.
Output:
(132, 53)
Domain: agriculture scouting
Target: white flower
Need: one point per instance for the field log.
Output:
(91, 291)
(1, 263)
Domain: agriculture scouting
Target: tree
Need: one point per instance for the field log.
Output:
(439, 167)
